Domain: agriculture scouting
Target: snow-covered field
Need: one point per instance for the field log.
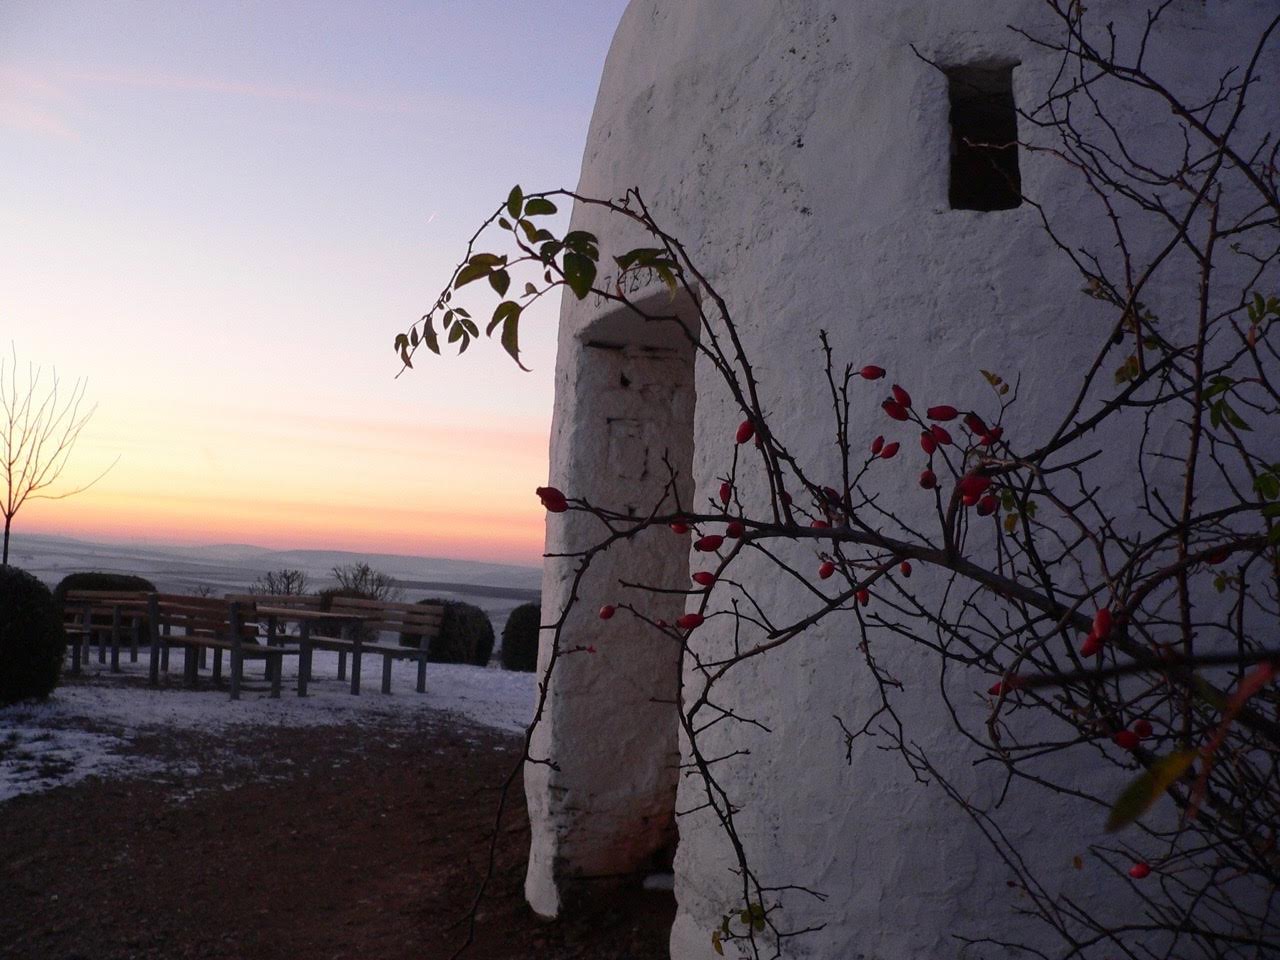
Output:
(90, 726)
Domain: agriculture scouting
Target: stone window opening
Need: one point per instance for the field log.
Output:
(984, 138)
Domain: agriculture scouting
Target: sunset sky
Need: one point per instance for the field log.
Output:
(220, 214)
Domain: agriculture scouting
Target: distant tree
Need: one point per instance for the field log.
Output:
(361, 580)
(283, 582)
(465, 635)
(39, 427)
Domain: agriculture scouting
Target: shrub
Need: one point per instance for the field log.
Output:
(466, 635)
(520, 638)
(100, 581)
(327, 596)
(32, 642)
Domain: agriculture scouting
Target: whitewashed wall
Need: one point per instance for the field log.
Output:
(801, 151)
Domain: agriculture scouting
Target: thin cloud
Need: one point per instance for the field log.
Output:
(31, 118)
(283, 93)
(27, 103)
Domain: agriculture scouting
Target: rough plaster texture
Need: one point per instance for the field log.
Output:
(801, 151)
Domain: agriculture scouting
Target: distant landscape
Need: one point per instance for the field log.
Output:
(227, 568)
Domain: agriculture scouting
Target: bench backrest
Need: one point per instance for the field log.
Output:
(204, 616)
(422, 619)
(291, 601)
(102, 605)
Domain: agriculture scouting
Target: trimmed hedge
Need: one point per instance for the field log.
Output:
(327, 597)
(32, 642)
(520, 638)
(100, 581)
(466, 635)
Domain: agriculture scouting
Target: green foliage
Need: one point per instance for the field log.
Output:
(1139, 796)
(100, 581)
(571, 261)
(32, 642)
(465, 636)
(520, 638)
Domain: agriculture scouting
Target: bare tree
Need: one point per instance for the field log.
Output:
(41, 424)
(283, 582)
(363, 580)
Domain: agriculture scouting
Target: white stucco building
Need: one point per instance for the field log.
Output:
(803, 152)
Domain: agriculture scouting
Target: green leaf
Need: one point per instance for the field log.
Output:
(579, 273)
(1139, 795)
(401, 342)
(1219, 384)
(1268, 485)
(1234, 419)
(582, 242)
(457, 333)
(716, 945)
(641, 255)
(429, 337)
(530, 289)
(504, 223)
(539, 207)
(470, 273)
(1271, 511)
(549, 250)
(501, 312)
(515, 202)
(500, 280)
(413, 336)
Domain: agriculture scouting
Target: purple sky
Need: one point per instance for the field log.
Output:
(221, 214)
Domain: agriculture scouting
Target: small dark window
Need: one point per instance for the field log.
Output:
(984, 135)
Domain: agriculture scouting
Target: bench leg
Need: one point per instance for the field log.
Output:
(304, 658)
(422, 671)
(102, 647)
(164, 651)
(386, 673)
(115, 640)
(276, 670)
(217, 665)
(355, 668)
(135, 639)
(75, 653)
(342, 664)
(237, 670)
(190, 665)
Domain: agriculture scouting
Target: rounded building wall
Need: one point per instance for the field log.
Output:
(802, 151)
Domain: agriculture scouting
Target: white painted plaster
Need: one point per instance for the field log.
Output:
(801, 151)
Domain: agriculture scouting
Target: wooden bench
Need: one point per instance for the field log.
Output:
(101, 614)
(209, 624)
(378, 617)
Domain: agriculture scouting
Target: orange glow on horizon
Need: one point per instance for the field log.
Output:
(311, 483)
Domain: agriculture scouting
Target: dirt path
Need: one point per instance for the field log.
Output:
(332, 844)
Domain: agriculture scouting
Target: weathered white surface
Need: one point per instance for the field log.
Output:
(801, 151)
(625, 412)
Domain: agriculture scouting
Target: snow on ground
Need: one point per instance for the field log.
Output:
(89, 726)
